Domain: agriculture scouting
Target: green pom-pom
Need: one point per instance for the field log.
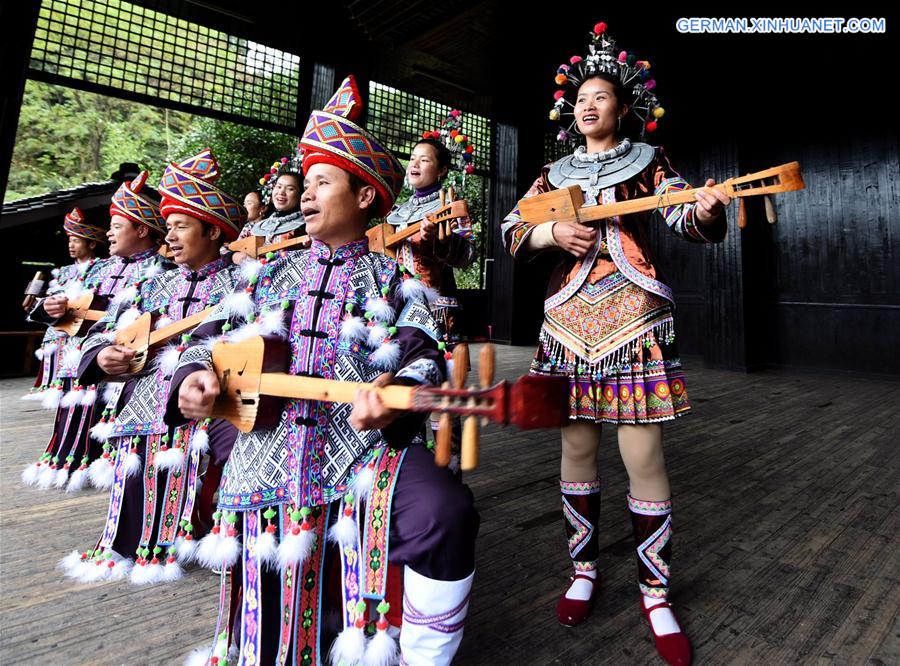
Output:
(107, 555)
(285, 304)
(442, 346)
(162, 311)
(296, 516)
(270, 255)
(231, 518)
(157, 550)
(269, 513)
(55, 459)
(217, 516)
(171, 550)
(70, 458)
(186, 337)
(188, 528)
(135, 440)
(253, 280)
(226, 327)
(384, 291)
(392, 330)
(360, 606)
(348, 307)
(383, 607)
(305, 511)
(165, 438)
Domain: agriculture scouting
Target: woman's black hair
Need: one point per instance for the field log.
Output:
(443, 153)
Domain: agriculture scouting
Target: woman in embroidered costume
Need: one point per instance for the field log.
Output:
(608, 323)
(356, 478)
(135, 229)
(281, 189)
(154, 471)
(442, 157)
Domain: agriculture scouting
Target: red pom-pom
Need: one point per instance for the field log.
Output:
(170, 559)
(651, 126)
(270, 529)
(305, 526)
(295, 530)
(454, 133)
(273, 170)
(215, 529)
(470, 149)
(360, 623)
(575, 60)
(110, 564)
(600, 28)
(284, 160)
(232, 532)
(188, 537)
(559, 94)
(382, 625)
(155, 560)
(267, 177)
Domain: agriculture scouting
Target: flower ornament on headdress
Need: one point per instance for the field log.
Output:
(462, 150)
(292, 164)
(603, 58)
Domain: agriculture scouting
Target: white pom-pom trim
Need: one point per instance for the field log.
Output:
(31, 474)
(89, 396)
(77, 480)
(250, 268)
(133, 465)
(128, 318)
(344, 532)
(294, 549)
(377, 334)
(380, 309)
(271, 322)
(167, 360)
(239, 303)
(200, 441)
(102, 473)
(267, 549)
(414, 288)
(387, 356)
(162, 322)
(353, 328)
(362, 483)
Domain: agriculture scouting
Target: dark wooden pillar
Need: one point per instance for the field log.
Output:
(18, 21)
(501, 270)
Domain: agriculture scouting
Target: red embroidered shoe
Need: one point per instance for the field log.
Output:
(572, 612)
(675, 648)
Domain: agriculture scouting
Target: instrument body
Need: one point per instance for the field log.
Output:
(567, 204)
(79, 315)
(383, 238)
(140, 336)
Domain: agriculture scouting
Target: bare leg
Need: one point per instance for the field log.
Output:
(580, 441)
(642, 452)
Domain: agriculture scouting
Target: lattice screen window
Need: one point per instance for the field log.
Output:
(126, 47)
(398, 118)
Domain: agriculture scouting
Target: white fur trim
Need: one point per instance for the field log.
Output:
(172, 571)
(295, 548)
(133, 465)
(39, 354)
(349, 647)
(353, 328)
(414, 288)
(45, 480)
(153, 270)
(89, 396)
(200, 441)
(267, 549)
(77, 480)
(239, 304)
(61, 478)
(51, 398)
(377, 334)
(71, 357)
(380, 309)
(128, 317)
(362, 483)
(70, 399)
(345, 531)
(381, 650)
(122, 569)
(100, 432)
(140, 574)
(102, 473)
(250, 268)
(167, 360)
(387, 356)
(110, 391)
(170, 459)
(271, 322)
(185, 549)
(127, 294)
(162, 322)
(70, 561)
(31, 474)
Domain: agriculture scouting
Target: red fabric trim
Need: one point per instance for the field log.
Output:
(384, 198)
(169, 206)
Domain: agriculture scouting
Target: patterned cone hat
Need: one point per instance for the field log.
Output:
(73, 224)
(188, 187)
(332, 137)
(129, 202)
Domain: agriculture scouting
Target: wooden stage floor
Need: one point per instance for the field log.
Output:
(786, 546)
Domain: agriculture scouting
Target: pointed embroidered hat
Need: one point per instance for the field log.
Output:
(73, 224)
(131, 201)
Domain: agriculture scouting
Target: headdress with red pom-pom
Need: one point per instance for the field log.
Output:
(462, 150)
(603, 58)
